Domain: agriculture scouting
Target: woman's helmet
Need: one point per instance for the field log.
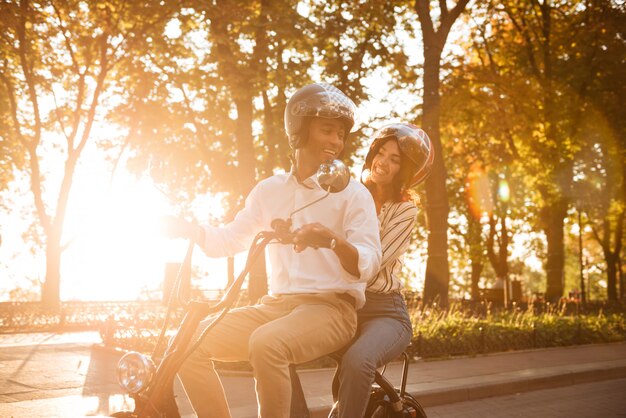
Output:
(414, 145)
(320, 100)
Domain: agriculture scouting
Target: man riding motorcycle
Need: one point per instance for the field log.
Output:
(314, 293)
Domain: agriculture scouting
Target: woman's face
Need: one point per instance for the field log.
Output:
(386, 163)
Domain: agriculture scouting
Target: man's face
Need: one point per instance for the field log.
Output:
(326, 140)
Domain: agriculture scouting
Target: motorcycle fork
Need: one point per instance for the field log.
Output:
(159, 400)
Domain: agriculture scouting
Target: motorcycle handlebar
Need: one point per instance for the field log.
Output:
(282, 232)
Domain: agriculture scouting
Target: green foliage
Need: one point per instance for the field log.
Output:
(11, 151)
(461, 330)
(196, 92)
(208, 103)
(58, 63)
(523, 103)
(191, 102)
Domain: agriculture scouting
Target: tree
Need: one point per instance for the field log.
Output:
(208, 101)
(195, 102)
(560, 47)
(233, 86)
(600, 188)
(525, 57)
(57, 59)
(11, 151)
(600, 170)
(437, 271)
(534, 25)
(486, 141)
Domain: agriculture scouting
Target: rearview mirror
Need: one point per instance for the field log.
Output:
(333, 176)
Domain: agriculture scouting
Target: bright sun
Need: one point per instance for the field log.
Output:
(116, 250)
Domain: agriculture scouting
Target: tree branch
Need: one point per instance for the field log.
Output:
(68, 44)
(456, 12)
(523, 30)
(443, 9)
(58, 115)
(104, 69)
(13, 105)
(422, 7)
(33, 143)
(27, 70)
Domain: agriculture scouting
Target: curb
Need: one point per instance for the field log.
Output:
(505, 384)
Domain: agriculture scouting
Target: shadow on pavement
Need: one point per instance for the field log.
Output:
(101, 382)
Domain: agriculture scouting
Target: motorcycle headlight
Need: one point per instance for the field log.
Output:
(134, 372)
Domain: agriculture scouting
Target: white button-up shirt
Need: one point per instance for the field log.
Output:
(350, 213)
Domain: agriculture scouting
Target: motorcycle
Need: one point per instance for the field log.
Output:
(149, 380)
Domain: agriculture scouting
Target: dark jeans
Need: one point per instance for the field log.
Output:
(383, 332)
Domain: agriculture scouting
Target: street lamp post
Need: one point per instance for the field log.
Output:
(583, 296)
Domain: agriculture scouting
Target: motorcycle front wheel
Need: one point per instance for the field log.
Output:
(380, 407)
(412, 407)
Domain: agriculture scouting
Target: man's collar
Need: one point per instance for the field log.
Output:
(310, 182)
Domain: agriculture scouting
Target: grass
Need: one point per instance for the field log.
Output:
(463, 330)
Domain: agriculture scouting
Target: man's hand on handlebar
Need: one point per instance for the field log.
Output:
(318, 236)
(313, 235)
(173, 227)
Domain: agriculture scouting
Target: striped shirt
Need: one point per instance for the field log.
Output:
(396, 221)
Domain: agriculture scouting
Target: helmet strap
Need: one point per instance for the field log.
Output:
(295, 166)
(303, 133)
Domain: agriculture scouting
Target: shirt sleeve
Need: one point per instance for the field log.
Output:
(237, 235)
(361, 227)
(396, 235)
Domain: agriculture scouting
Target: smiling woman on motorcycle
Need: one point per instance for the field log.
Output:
(314, 293)
(400, 157)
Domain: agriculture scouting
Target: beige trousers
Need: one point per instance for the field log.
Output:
(281, 330)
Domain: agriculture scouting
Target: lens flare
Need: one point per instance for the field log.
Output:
(504, 193)
(478, 193)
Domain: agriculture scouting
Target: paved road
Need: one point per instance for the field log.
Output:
(71, 376)
(605, 399)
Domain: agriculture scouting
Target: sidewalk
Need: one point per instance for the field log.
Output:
(70, 375)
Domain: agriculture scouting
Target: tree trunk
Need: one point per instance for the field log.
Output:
(437, 208)
(51, 288)
(477, 269)
(553, 216)
(240, 78)
(611, 276)
(257, 283)
(622, 281)
(476, 254)
(498, 259)
(617, 262)
(245, 145)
